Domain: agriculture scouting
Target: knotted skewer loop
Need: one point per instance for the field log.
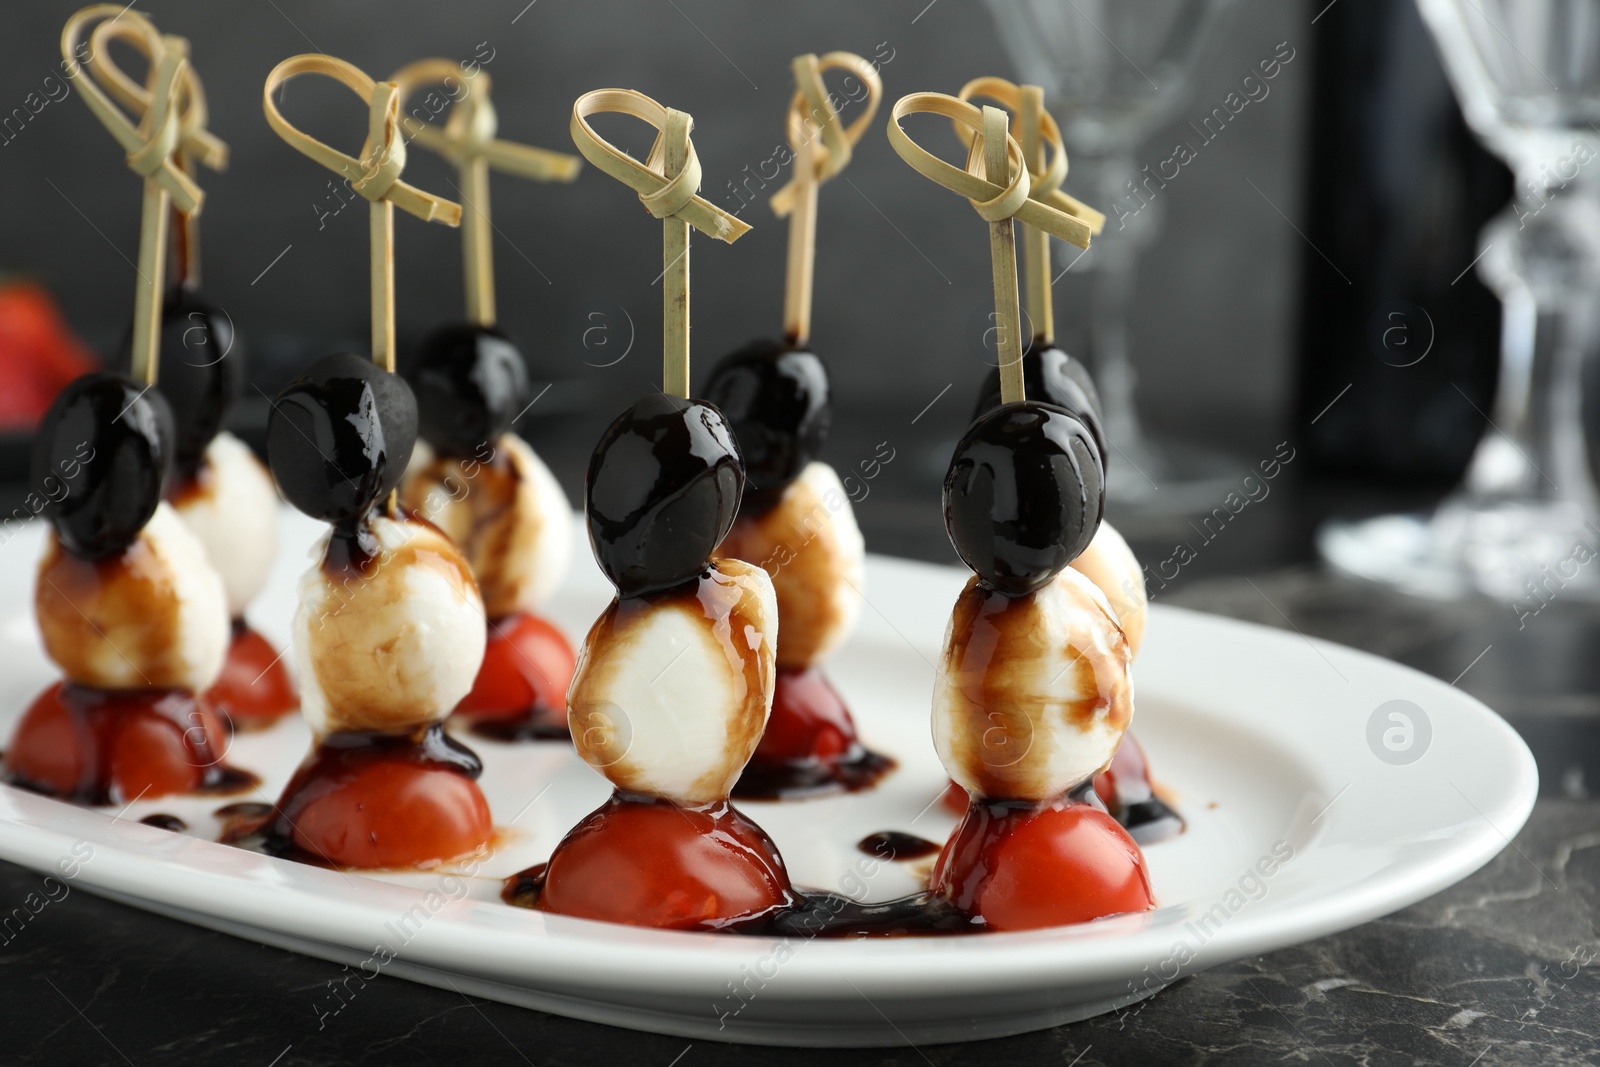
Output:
(149, 144)
(662, 195)
(666, 183)
(196, 144)
(990, 200)
(813, 116)
(467, 139)
(1037, 131)
(998, 195)
(149, 147)
(375, 176)
(822, 147)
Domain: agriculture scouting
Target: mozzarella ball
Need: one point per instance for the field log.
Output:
(232, 507)
(506, 513)
(154, 617)
(672, 692)
(1033, 694)
(393, 645)
(1109, 563)
(809, 544)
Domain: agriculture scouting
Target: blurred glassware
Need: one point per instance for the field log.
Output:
(1113, 71)
(1523, 524)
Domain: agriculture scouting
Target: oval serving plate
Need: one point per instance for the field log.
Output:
(1297, 828)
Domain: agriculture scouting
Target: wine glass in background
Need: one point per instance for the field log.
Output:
(1524, 522)
(1113, 71)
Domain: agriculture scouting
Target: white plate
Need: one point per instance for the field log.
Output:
(1261, 735)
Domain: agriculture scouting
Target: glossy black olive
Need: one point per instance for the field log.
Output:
(1051, 376)
(100, 457)
(775, 398)
(1024, 495)
(201, 369)
(340, 435)
(469, 381)
(662, 490)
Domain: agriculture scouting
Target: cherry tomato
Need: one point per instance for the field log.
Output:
(653, 863)
(254, 690)
(527, 667)
(808, 721)
(1027, 868)
(388, 813)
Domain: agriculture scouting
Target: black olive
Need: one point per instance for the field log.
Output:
(201, 370)
(469, 381)
(775, 398)
(100, 457)
(1050, 376)
(340, 435)
(1024, 495)
(662, 490)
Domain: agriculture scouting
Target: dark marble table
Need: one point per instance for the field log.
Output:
(1502, 969)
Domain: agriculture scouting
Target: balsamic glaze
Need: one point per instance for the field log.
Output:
(895, 845)
(775, 398)
(1132, 798)
(857, 770)
(339, 437)
(1024, 495)
(1050, 376)
(663, 488)
(165, 822)
(535, 726)
(105, 445)
(352, 550)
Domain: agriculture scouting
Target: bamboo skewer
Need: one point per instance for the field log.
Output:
(822, 147)
(150, 147)
(996, 183)
(375, 176)
(467, 139)
(196, 145)
(666, 183)
(1036, 130)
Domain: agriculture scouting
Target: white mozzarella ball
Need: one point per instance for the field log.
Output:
(233, 509)
(508, 515)
(671, 694)
(395, 645)
(1033, 693)
(810, 545)
(154, 617)
(1109, 563)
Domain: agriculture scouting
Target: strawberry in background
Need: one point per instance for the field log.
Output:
(38, 353)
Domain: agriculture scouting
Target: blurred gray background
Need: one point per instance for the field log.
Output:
(902, 266)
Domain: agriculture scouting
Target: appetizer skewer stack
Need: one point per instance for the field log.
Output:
(126, 603)
(1033, 694)
(674, 681)
(795, 520)
(220, 489)
(390, 628)
(474, 478)
(1054, 377)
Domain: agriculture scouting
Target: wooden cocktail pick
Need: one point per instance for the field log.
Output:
(197, 146)
(822, 146)
(1037, 131)
(467, 139)
(151, 145)
(375, 175)
(996, 183)
(666, 183)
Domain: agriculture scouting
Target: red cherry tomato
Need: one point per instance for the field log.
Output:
(254, 689)
(1024, 869)
(808, 721)
(383, 813)
(103, 747)
(526, 669)
(653, 863)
